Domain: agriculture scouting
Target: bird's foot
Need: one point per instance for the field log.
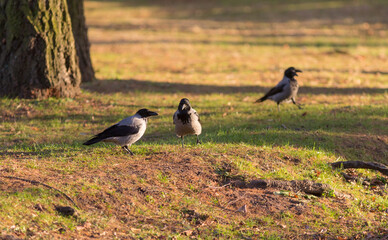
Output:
(296, 104)
(128, 150)
(183, 146)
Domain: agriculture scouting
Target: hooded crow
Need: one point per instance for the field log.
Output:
(126, 132)
(186, 120)
(285, 90)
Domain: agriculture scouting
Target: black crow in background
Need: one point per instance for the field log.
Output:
(286, 90)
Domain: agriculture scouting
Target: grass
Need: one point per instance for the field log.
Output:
(222, 55)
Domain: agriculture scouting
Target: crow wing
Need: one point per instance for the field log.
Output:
(272, 92)
(118, 131)
(113, 131)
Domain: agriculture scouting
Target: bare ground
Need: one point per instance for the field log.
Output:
(180, 185)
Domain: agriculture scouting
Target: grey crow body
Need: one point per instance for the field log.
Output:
(286, 90)
(186, 120)
(126, 132)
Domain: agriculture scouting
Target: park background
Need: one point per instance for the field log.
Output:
(222, 56)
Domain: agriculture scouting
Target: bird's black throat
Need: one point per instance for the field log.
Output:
(184, 116)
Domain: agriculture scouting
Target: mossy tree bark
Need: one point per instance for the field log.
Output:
(37, 52)
(80, 33)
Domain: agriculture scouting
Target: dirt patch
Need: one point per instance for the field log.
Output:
(260, 202)
(169, 191)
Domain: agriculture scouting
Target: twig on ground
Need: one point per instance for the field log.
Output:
(236, 200)
(360, 164)
(305, 186)
(43, 184)
(212, 187)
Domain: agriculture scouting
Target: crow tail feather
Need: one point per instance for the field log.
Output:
(92, 141)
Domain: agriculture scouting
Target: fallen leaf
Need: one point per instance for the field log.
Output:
(188, 232)
(135, 230)
(283, 193)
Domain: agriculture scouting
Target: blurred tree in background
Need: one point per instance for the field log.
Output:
(38, 56)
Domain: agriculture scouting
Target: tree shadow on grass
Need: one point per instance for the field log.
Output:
(356, 133)
(307, 133)
(135, 85)
(267, 11)
(351, 146)
(259, 42)
(274, 40)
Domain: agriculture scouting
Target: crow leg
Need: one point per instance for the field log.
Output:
(298, 105)
(182, 142)
(278, 108)
(127, 149)
(198, 141)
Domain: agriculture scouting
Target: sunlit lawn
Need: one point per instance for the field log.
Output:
(222, 55)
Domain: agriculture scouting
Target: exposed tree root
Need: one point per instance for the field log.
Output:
(305, 186)
(359, 164)
(43, 184)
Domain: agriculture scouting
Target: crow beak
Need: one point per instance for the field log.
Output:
(297, 70)
(152, 113)
(186, 106)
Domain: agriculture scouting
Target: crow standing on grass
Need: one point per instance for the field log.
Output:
(186, 121)
(126, 132)
(285, 90)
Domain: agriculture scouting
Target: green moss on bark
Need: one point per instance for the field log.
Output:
(38, 58)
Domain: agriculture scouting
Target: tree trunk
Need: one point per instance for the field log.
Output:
(37, 54)
(80, 33)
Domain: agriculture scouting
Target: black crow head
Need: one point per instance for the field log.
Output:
(291, 72)
(145, 113)
(184, 104)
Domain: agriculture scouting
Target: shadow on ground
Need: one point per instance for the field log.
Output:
(357, 136)
(259, 42)
(350, 12)
(134, 85)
